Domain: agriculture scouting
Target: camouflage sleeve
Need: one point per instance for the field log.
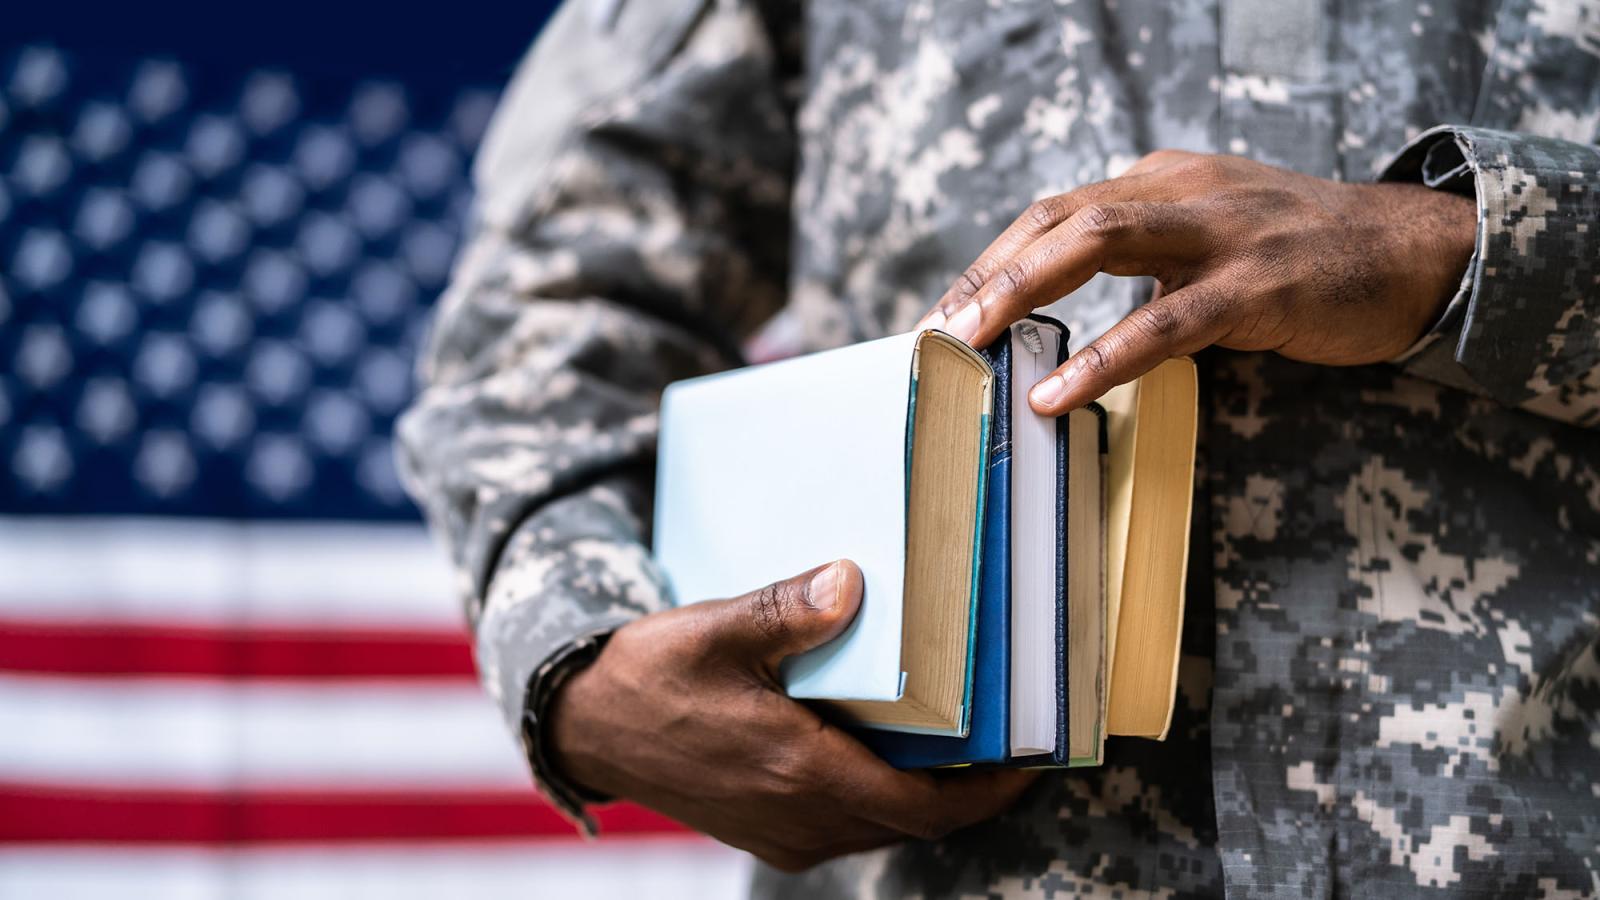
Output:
(632, 229)
(1525, 326)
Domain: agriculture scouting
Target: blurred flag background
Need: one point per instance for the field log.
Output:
(230, 661)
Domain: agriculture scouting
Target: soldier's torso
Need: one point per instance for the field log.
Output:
(926, 127)
(1393, 565)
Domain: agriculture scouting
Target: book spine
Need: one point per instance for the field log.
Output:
(1063, 543)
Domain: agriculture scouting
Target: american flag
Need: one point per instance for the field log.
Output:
(230, 660)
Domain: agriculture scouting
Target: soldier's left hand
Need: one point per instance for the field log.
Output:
(1245, 255)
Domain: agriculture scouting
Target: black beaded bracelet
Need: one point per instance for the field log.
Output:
(572, 799)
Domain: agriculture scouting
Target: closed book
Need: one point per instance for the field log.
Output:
(875, 453)
(1149, 495)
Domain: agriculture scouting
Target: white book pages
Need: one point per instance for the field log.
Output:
(1033, 546)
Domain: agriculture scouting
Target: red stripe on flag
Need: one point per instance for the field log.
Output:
(239, 652)
(41, 813)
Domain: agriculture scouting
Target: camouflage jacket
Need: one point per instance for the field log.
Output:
(1392, 653)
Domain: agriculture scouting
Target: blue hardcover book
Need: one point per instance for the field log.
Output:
(986, 740)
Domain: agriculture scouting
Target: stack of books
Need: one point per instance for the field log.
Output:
(1024, 575)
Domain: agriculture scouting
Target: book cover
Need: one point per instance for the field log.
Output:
(876, 453)
(728, 459)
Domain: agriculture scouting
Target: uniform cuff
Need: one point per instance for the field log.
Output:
(1505, 332)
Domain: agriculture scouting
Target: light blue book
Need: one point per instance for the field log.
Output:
(875, 453)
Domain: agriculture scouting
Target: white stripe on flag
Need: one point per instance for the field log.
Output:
(662, 869)
(184, 733)
(223, 572)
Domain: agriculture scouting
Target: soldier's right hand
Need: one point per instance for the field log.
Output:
(683, 712)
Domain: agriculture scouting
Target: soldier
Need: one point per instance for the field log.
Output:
(1392, 643)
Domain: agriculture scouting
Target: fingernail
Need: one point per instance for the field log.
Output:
(934, 319)
(823, 591)
(964, 324)
(1048, 392)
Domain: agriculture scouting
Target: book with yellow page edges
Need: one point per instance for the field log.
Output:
(873, 453)
(1150, 427)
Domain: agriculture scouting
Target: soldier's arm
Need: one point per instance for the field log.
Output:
(1525, 326)
(632, 229)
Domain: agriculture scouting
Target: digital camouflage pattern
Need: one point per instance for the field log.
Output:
(1392, 661)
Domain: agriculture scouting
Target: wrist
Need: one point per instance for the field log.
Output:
(1456, 241)
(571, 732)
(547, 683)
(1432, 235)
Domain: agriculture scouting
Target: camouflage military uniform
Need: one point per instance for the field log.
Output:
(1392, 663)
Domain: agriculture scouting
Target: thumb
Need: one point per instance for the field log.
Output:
(791, 616)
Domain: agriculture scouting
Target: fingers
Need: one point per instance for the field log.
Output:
(792, 861)
(1041, 217)
(967, 798)
(1176, 324)
(932, 808)
(919, 803)
(1131, 238)
(929, 805)
(789, 616)
(1046, 214)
